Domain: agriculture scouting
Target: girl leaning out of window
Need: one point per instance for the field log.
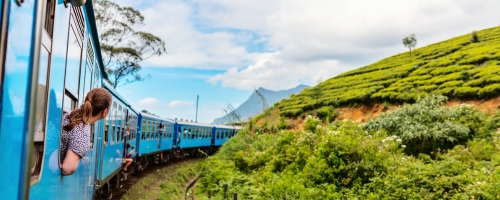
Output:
(75, 135)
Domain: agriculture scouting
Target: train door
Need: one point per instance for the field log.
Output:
(20, 28)
(161, 133)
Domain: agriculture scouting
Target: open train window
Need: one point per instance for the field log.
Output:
(106, 135)
(92, 133)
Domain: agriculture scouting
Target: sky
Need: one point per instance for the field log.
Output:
(222, 50)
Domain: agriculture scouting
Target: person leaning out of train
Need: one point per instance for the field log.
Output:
(75, 135)
(128, 159)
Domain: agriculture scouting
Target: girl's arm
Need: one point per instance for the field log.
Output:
(70, 163)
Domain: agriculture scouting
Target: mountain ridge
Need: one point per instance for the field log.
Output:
(253, 105)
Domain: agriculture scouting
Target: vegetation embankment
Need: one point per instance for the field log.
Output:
(424, 151)
(166, 183)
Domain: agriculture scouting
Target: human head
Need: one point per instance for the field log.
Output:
(96, 104)
(97, 101)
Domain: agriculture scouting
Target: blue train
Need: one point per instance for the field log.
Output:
(49, 59)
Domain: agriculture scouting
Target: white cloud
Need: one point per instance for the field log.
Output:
(177, 103)
(147, 102)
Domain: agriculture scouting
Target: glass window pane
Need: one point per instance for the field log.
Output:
(73, 63)
(41, 98)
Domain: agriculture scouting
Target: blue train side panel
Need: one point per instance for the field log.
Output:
(71, 74)
(150, 136)
(15, 95)
(114, 138)
(166, 136)
(194, 135)
(222, 133)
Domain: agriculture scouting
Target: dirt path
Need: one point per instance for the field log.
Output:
(190, 192)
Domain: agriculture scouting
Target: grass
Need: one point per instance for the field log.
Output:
(166, 183)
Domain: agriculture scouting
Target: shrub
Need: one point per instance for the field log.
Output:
(474, 37)
(427, 125)
(311, 123)
(327, 113)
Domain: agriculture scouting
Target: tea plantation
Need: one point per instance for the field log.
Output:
(461, 68)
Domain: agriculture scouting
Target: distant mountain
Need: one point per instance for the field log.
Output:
(253, 105)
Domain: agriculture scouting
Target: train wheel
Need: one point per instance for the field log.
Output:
(106, 192)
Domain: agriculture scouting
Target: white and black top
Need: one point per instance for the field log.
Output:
(78, 139)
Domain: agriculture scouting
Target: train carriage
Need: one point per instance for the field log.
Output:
(222, 133)
(194, 135)
(152, 139)
(52, 59)
(112, 144)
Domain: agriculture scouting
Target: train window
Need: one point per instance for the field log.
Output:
(153, 130)
(113, 122)
(157, 130)
(106, 135)
(146, 129)
(41, 102)
(119, 124)
(92, 133)
(74, 53)
(149, 130)
(143, 124)
(218, 134)
(167, 131)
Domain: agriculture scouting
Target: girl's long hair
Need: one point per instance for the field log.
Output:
(96, 101)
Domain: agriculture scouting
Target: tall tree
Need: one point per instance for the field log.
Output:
(123, 45)
(410, 42)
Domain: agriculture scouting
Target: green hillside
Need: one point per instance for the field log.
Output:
(459, 68)
(423, 150)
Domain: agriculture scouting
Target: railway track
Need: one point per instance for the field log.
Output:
(134, 178)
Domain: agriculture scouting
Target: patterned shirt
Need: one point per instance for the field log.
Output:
(78, 139)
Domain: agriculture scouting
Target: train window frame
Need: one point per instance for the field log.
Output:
(41, 112)
(106, 127)
(113, 122)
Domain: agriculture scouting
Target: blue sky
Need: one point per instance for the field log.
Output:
(223, 49)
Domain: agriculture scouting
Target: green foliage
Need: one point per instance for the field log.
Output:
(474, 37)
(124, 46)
(311, 123)
(343, 161)
(427, 126)
(410, 42)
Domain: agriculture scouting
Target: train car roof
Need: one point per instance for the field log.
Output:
(227, 126)
(117, 95)
(193, 123)
(95, 37)
(150, 116)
